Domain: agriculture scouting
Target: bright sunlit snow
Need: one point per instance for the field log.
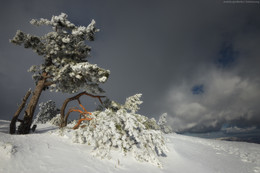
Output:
(44, 151)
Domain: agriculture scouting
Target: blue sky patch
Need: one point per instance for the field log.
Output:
(227, 55)
(197, 89)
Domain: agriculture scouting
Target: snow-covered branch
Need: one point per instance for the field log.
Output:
(65, 55)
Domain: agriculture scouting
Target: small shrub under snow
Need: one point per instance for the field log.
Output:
(121, 130)
(56, 120)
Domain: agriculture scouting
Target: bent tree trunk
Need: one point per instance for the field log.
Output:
(26, 123)
(17, 113)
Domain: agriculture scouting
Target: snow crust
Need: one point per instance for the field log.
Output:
(43, 152)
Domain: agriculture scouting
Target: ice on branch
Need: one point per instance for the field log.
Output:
(55, 21)
(65, 55)
(72, 78)
(132, 103)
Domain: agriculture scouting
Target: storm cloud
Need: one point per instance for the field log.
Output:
(227, 98)
(196, 60)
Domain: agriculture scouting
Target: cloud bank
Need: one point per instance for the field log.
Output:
(227, 98)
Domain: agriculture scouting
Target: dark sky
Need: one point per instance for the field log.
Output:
(196, 60)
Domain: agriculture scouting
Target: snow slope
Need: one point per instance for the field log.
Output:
(44, 151)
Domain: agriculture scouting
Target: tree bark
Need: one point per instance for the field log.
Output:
(17, 113)
(25, 125)
(76, 97)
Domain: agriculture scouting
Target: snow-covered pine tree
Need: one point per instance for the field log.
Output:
(47, 111)
(121, 129)
(163, 124)
(132, 103)
(65, 67)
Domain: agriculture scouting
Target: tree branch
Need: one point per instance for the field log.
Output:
(76, 97)
(48, 83)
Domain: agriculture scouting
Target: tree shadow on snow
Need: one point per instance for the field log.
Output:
(45, 129)
(4, 126)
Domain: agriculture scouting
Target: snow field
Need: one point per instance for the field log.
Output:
(45, 151)
(221, 156)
